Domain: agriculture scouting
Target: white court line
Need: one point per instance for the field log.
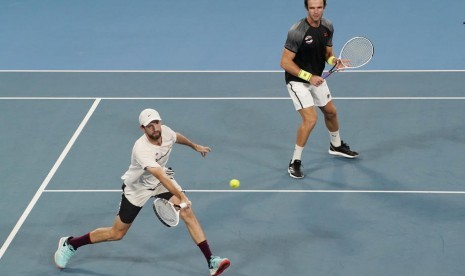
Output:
(281, 191)
(47, 179)
(217, 71)
(225, 98)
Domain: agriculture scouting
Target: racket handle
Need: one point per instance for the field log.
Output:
(182, 205)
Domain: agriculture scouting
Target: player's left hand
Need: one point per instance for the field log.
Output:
(340, 63)
(202, 149)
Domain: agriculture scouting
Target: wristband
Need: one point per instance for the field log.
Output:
(304, 75)
(330, 60)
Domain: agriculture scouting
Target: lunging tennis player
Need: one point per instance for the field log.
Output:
(148, 177)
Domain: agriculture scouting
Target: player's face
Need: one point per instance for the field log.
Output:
(153, 130)
(315, 10)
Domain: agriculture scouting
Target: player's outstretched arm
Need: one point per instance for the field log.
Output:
(181, 139)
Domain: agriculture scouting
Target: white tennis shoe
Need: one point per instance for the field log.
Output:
(64, 252)
(218, 265)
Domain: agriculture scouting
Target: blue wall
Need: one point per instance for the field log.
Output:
(218, 34)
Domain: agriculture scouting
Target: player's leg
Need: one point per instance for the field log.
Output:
(67, 246)
(309, 118)
(127, 213)
(193, 225)
(304, 104)
(330, 114)
(187, 215)
(323, 99)
(114, 233)
(216, 264)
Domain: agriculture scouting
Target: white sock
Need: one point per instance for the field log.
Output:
(335, 138)
(297, 153)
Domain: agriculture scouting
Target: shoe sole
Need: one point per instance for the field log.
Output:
(336, 153)
(222, 267)
(293, 176)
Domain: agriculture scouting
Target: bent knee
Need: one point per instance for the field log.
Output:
(329, 111)
(309, 116)
(187, 214)
(330, 115)
(309, 121)
(117, 235)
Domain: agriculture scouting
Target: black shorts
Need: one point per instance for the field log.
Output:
(128, 212)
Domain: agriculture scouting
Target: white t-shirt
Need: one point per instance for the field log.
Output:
(145, 154)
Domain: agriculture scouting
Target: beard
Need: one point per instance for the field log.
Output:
(156, 135)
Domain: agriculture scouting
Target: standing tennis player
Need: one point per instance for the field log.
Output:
(148, 177)
(307, 48)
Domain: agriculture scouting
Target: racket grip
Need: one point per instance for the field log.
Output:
(182, 205)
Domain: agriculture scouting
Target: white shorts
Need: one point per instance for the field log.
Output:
(305, 95)
(139, 197)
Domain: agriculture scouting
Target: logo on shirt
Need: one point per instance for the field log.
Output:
(325, 34)
(308, 39)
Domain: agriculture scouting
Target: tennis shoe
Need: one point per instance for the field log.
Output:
(64, 252)
(343, 150)
(218, 265)
(294, 169)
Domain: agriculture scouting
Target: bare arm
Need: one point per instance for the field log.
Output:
(329, 52)
(160, 174)
(288, 64)
(181, 139)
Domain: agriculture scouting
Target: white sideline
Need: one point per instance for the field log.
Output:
(47, 179)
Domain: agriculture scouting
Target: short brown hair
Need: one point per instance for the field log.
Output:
(306, 3)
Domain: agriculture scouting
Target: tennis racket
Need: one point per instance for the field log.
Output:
(357, 52)
(167, 212)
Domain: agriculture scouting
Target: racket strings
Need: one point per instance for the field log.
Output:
(357, 52)
(166, 211)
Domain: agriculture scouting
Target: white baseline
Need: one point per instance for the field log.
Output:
(281, 191)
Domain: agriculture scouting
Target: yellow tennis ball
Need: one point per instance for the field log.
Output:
(234, 183)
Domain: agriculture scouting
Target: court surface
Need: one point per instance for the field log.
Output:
(71, 91)
(397, 210)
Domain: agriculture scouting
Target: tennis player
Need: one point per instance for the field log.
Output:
(148, 177)
(307, 48)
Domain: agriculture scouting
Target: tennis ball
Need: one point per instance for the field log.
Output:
(234, 183)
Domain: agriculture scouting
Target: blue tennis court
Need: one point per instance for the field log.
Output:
(69, 119)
